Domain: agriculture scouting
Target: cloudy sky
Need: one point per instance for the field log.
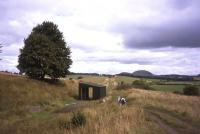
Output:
(110, 36)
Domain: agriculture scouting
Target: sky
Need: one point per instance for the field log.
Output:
(110, 36)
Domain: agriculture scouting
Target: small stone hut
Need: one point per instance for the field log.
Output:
(91, 91)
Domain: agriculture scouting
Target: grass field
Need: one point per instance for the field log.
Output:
(168, 88)
(126, 79)
(29, 106)
(161, 85)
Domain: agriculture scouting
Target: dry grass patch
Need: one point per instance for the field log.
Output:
(188, 106)
(112, 118)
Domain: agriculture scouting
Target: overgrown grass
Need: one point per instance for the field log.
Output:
(27, 107)
(17, 92)
(22, 100)
(187, 106)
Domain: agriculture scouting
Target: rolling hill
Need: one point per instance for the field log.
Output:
(142, 73)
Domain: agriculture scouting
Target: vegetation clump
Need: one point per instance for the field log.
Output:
(80, 77)
(122, 86)
(141, 84)
(191, 90)
(177, 92)
(78, 119)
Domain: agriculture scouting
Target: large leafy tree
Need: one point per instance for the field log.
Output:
(45, 53)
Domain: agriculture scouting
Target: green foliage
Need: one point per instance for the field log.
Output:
(122, 85)
(168, 88)
(191, 90)
(45, 53)
(78, 119)
(177, 92)
(141, 84)
(80, 77)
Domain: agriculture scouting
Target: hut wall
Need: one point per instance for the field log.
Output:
(98, 92)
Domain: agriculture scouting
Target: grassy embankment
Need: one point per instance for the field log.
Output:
(27, 106)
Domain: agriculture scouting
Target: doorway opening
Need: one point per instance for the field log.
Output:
(90, 93)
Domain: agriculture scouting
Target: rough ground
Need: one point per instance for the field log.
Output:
(165, 120)
(160, 123)
(72, 107)
(171, 124)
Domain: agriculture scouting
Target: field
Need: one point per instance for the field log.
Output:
(30, 106)
(169, 88)
(161, 85)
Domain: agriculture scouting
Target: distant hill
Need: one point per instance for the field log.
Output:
(142, 73)
(147, 74)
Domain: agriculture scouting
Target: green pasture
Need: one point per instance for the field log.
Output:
(159, 84)
(168, 88)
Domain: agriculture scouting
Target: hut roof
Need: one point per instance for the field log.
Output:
(91, 84)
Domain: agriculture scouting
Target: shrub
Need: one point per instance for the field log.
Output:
(191, 90)
(123, 85)
(141, 84)
(78, 119)
(80, 77)
(64, 124)
(177, 92)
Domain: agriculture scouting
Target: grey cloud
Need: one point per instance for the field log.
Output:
(10, 34)
(174, 35)
(139, 61)
(128, 61)
(181, 4)
(82, 47)
(176, 26)
(180, 58)
(20, 11)
(181, 28)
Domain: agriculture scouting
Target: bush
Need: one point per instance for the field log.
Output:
(78, 119)
(191, 90)
(123, 85)
(177, 92)
(64, 124)
(135, 84)
(80, 77)
(141, 84)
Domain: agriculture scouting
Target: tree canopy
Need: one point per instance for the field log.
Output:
(45, 53)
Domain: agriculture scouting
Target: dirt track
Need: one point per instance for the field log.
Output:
(72, 107)
(176, 127)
